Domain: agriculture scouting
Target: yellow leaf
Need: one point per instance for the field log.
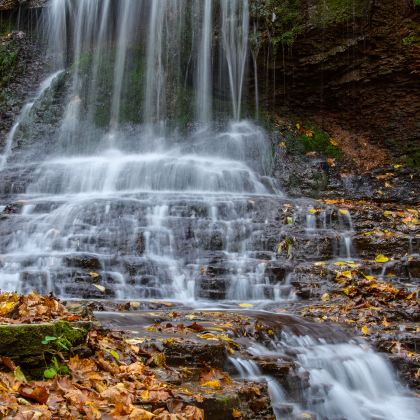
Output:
(298, 126)
(385, 323)
(236, 414)
(334, 142)
(6, 307)
(345, 274)
(365, 330)
(325, 297)
(100, 287)
(282, 145)
(96, 413)
(115, 355)
(397, 166)
(93, 274)
(212, 384)
(343, 211)
(370, 278)
(246, 305)
(144, 395)
(208, 336)
(381, 259)
(313, 211)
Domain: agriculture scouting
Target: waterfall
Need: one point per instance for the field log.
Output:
(203, 77)
(133, 186)
(127, 20)
(235, 28)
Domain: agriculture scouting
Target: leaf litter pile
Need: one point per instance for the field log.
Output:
(32, 308)
(112, 376)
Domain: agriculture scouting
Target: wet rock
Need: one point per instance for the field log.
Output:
(86, 261)
(195, 353)
(23, 342)
(250, 399)
(212, 288)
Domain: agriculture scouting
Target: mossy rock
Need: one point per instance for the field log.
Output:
(23, 343)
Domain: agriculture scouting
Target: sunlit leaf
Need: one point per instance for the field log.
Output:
(215, 384)
(50, 373)
(236, 414)
(381, 258)
(246, 305)
(385, 323)
(100, 287)
(365, 330)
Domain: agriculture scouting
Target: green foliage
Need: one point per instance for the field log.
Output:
(61, 343)
(280, 22)
(55, 345)
(416, 2)
(316, 140)
(411, 40)
(329, 12)
(55, 369)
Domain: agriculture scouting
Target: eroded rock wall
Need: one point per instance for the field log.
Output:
(356, 68)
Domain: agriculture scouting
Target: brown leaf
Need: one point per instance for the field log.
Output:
(193, 413)
(196, 327)
(8, 362)
(38, 394)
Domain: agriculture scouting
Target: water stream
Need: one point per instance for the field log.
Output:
(154, 186)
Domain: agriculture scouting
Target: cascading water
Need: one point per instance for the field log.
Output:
(129, 197)
(149, 189)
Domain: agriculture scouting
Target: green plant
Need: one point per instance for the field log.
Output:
(60, 342)
(316, 140)
(55, 369)
(411, 39)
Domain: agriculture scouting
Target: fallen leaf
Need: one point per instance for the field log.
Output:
(325, 297)
(211, 384)
(365, 330)
(19, 375)
(38, 394)
(100, 288)
(246, 305)
(236, 414)
(385, 323)
(381, 258)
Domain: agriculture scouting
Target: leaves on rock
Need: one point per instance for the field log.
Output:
(32, 308)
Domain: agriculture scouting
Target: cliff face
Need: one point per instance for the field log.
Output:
(355, 69)
(14, 4)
